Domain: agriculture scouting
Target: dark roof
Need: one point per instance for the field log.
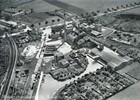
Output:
(81, 41)
(72, 35)
(76, 66)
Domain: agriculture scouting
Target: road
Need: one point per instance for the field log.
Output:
(10, 70)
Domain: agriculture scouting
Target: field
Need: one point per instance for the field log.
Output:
(135, 11)
(131, 93)
(38, 6)
(38, 16)
(33, 18)
(94, 5)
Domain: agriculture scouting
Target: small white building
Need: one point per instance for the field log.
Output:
(29, 52)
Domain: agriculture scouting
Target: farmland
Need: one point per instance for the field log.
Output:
(33, 18)
(8, 3)
(94, 5)
(38, 6)
(135, 11)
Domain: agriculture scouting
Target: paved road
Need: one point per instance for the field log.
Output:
(10, 70)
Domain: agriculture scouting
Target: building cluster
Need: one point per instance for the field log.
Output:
(69, 66)
(126, 38)
(15, 12)
(50, 50)
(98, 85)
(26, 37)
(84, 35)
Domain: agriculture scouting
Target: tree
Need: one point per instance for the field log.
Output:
(39, 24)
(58, 20)
(117, 7)
(87, 14)
(7, 18)
(46, 22)
(122, 6)
(82, 15)
(127, 5)
(53, 21)
(93, 13)
(105, 12)
(113, 9)
(98, 11)
(32, 25)
(131, 4)
(108, 10)
(135, 3)
(32, 10)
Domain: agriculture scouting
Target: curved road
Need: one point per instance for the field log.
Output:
(11, 69)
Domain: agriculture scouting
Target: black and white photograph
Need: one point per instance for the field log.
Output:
(69, 49)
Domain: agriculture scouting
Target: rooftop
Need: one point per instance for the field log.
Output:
(106, 32)
(109, 56)
(81, 41)
(64, 62)
(96, 33)
(72, 35)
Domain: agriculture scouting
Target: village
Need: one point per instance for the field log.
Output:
(67, 56)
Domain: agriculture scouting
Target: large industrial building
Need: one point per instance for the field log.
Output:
(111, 59)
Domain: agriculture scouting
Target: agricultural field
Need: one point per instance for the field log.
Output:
(38, 6)
(94, 5)
(135, 11)
(9, 3)
(35, 17)
(128, 21)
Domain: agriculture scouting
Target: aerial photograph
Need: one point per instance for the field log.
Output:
(69, 49)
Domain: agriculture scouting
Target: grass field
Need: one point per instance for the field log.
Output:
(38, 6)
(94, 5)
(35, 17)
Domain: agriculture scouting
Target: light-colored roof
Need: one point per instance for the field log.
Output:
(72, 35)
(63, 61)
(106, 32)
(96, 33)
(110, 56)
